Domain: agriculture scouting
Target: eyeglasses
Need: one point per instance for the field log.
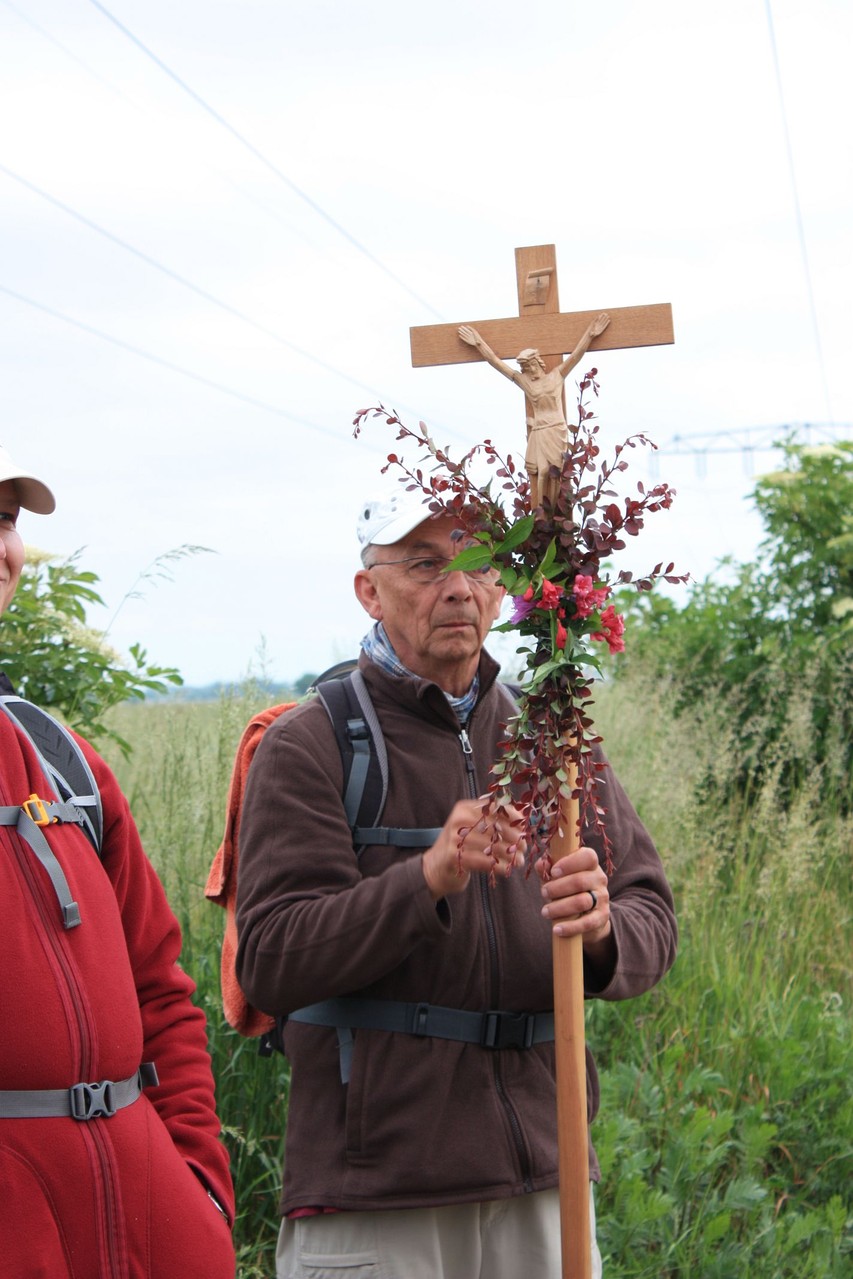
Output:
(431, 569)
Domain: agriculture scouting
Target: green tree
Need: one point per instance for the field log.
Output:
(808, 512)
(773, 644)
(54, 659)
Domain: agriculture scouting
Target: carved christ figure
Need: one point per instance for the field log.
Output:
(547, 431)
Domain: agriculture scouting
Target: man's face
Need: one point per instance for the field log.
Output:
(11, 546)
(437, 628)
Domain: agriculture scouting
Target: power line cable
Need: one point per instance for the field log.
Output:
(673, 447)
(182, 280)
(174, 368)
(131, 102)
(797, 209)
(30, 22)
(203, 293)
(244, 141)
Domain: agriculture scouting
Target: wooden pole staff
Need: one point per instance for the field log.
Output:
(570, 1046)
(541, 325)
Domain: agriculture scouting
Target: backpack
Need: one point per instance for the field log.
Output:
(343, 693)
(68, 773)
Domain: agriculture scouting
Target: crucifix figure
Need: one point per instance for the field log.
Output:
(538, 340)
(547, 430)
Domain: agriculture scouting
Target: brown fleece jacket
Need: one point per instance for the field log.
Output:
(422, 1121)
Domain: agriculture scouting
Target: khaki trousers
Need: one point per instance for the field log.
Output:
(502, 1239)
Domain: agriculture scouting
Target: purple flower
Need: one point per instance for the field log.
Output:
(523, 606)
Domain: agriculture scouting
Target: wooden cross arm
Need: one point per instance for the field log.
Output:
(555, 334)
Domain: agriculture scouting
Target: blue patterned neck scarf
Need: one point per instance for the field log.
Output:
(378, 648)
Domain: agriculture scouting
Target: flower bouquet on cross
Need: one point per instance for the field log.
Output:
(554, 564)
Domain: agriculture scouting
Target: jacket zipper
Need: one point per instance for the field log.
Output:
(509, 1109)
(70, 992)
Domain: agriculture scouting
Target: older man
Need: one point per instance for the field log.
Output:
(438, 1156)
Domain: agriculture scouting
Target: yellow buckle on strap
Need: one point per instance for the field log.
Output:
(43, 818)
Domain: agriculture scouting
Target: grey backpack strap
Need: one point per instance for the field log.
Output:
(365, 759)
(372, 720)
(494, 1029)
(62, 762)
(361, 745)
(29, 828)
(67, 772)
(398, 836)
(401, 837)
(81, 1101)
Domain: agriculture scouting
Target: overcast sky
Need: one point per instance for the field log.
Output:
(218, 224)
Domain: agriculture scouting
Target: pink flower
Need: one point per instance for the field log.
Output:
(613, 628)
(562, 635)
(550, 595)
(587, 599)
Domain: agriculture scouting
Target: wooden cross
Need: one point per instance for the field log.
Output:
(541, 325)
(540, 322)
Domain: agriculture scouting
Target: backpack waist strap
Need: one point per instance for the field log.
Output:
(81, 1101)
(399, 836)
(494, 1028)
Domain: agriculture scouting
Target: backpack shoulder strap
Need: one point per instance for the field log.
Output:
(361, 744)
(365, 760)
(62, 762)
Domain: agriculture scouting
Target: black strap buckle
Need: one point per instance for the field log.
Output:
(507, 1030)
(92, 1101)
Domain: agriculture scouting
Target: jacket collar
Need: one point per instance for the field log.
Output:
(423, 696)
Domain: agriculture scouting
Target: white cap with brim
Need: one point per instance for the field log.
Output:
(385, 520)
(33, 495)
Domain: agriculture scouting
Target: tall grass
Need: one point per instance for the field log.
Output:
(726, 1119)
(177, 782)
(727, 1114)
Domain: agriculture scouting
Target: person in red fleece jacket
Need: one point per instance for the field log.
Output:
(106, 1172)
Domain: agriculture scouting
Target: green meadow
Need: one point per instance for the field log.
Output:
(726, 1124)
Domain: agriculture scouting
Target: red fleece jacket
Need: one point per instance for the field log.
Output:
(125, 1196)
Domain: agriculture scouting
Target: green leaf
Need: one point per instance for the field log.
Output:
(549, 558)
(715, 1228)
(519, 533)
(514, 583)
(472, 557)
(549, 668)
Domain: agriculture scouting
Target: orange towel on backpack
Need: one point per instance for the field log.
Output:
(221, 884)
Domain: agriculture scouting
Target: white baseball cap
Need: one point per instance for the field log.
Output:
(387, 519)
(32, 493)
